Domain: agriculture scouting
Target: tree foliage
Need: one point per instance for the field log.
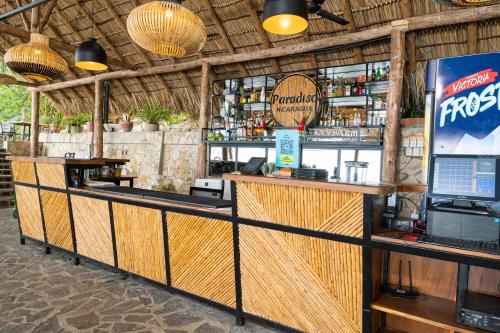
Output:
(13, 98)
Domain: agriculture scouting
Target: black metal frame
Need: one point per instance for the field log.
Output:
(365, 242)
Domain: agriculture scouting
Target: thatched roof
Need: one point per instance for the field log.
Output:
(232, 28)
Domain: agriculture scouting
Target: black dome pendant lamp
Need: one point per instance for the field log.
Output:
(285, 17)
(90, 55)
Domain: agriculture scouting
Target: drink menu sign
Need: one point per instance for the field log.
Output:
(467, 107)
(294, 97)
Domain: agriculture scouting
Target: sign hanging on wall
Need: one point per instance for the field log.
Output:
(293, 98)
(287, 149)
(467, 109)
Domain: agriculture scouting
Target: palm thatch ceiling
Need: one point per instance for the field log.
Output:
(233, 27)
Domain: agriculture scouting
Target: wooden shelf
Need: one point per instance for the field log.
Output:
(433, 311)
(394, 237)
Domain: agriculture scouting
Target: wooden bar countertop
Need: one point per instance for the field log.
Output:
(68, 161)
(367, 188)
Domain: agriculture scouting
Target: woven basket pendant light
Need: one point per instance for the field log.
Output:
(167, 28)
(36, 60)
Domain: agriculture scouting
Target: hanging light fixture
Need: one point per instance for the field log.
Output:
(285, 17)
(36, 60)
(91, 56)
(167, 28)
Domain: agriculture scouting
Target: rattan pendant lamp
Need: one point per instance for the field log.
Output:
(36, 60)
(167, 28)
(90, 55)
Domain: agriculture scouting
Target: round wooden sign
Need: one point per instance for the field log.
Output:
(293, 98)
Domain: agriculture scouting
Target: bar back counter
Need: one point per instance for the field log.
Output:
(295, 254)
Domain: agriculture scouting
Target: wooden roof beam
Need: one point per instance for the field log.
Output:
(351, 27)
(118, 20)
(222, 33)
(24, 18)
(46, 16)
(266, 43)
(472, 45)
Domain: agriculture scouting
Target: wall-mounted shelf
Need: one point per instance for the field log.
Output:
(430, 310)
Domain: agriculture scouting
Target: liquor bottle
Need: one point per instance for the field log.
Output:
(329, 89)
(355, 88)
(374, 74)
(253, 96)
(378, 75)
(384, 73)
(369, 120)
(388, 71)
(263, 95)
(347, 90)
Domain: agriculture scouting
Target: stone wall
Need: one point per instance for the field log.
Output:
(410, 170)
(161, 160)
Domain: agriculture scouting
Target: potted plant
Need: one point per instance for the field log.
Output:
(75, 123)
(151, 116)
(56, 121)
(126, 124)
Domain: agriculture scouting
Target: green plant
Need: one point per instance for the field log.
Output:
(177, 118)
(77, 120)
(13, 204)
(154, 114)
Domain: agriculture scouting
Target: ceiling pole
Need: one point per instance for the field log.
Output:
(266, 43)
(35, 96)
(203, 120)
(392, 135)
(351, 27)
(222, 33)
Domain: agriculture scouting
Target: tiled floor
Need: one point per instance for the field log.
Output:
(48, 293)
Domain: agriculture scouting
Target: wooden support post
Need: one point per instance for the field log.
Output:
(392, 135)
(98, 127)
(472, 38)
(203, 120)
(35, 122)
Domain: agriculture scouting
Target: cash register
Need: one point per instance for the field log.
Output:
(464, 190)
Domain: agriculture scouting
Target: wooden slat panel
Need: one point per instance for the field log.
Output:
(201, 257)
(23, 172)
(93, 228)
(317, 209)
(139, 241)
(56, 217)
(307, 283)
(51, 175)
(28, 206)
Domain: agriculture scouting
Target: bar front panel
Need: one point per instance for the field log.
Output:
(23, 171)
(202, 257)
(139, 241)
(56, 216)
(51, 175)
(306, 283)
(331, 211)
(93, 228)
(28, 207)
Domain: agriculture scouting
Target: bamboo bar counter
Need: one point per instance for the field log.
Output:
(284, 248)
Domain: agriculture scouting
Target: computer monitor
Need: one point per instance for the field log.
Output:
(465, 177)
